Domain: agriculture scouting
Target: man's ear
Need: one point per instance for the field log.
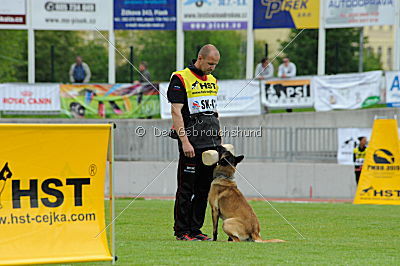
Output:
(238, 159)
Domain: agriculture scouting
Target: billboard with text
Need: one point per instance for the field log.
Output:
(144, 15)
(13, 14)
(215, 14)
(285, 14)
(71, 15)
(347, 14)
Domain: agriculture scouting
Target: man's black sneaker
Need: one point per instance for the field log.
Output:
(202, 237)
(186, 237)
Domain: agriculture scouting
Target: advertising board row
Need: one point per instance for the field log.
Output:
(119, 100)
(196, 14)
(235, 97)
(324, 93)
(82, 101)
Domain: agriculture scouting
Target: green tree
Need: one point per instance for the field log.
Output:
(371, 61)
(342, 51)
(63, 42)
(13, 56)
(67, 45)
(231, 44)
(158, 48)
(125, 39)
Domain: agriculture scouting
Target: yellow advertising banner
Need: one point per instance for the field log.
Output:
(298, 14)
(380, 177)
(52, 193)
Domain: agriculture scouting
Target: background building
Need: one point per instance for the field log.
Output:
(381, 41)
(273, 37)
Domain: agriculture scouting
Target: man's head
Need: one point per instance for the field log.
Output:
(286, 61)
(143, 66)
(78, 60)
(264, 62)
(207, 59)
(363, 141)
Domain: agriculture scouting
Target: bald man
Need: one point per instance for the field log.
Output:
(193, 96)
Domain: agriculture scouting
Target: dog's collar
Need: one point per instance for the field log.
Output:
(223, 176)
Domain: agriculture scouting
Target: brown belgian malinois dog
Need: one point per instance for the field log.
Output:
(240, 222)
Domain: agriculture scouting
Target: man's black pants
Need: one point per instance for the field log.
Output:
(358, 173)
(194, 180)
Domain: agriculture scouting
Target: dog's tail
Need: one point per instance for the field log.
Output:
(257, 238)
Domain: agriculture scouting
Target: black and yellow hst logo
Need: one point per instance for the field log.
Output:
(380, 193)
(52, 187)
(384, 161)
(204, 85)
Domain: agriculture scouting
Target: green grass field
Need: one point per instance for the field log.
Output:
(340, 233)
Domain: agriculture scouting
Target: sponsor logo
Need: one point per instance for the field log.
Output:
(27, 101)
(189, 168)
(5, 174)
(366, 191)
(27, 93)
(383, 156)
(195, 104)
(70, 7)
(52, 187)
(198, 3)
(383, 193)
(177, 88)
(204, 85)
(276, 6)
(288, 92)
(194, 85)
(395, 84)
(12, 19)
(384, 161)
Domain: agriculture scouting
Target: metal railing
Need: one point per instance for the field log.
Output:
(149, 143)
(315, 144)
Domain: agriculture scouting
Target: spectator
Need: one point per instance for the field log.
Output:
(287, 69)
(359, 157)
(264, 70)
(144, 80)
(79, 71)
(144, 74)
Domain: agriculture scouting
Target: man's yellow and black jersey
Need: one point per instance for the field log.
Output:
(198, 94)
(359, 156)
(196, 91)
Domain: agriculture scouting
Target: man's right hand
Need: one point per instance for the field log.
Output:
(179, 126)
(188, 149)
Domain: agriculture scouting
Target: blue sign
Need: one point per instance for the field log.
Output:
(263, 16)
(145, 14)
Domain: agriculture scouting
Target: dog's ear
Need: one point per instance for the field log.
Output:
(238, 159)
(220, 149)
